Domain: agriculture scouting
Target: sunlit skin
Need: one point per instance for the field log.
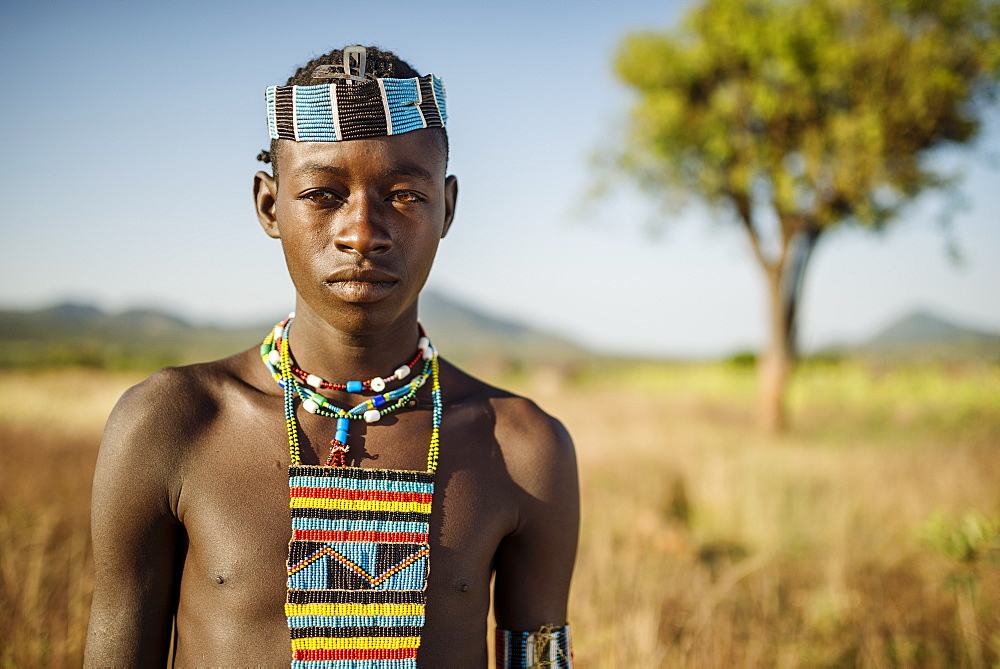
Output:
(190, 509)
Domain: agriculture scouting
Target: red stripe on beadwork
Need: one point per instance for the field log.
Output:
(357, 654)
(379, 537)
(364, 495)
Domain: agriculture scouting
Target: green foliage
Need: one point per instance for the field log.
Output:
(88, 353)
(820, 110)
(799, 115)
(743, 360)
(969, 541)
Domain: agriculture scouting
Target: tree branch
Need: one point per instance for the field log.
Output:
(744, 211)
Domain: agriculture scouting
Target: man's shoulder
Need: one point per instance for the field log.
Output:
(530, 439)
(176, 402)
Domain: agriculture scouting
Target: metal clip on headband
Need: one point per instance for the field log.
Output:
(330, 72)
(354, 106)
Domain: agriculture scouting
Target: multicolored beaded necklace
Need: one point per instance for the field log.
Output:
(359, 555)
(276, 355)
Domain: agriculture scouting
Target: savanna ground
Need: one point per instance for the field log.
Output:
(866, 537)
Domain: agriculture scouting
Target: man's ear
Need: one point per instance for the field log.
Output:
(265, 194)
(450, 198)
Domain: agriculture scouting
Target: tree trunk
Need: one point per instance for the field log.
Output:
(784, 292)
(776, 363)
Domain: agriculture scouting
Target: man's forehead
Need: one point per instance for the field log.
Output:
(419, 154)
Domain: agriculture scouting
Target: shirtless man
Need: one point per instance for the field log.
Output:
(191, 494)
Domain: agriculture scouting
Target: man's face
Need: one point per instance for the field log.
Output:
(359, 223)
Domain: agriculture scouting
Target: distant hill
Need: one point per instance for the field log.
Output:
(463, 332)
(72, 334)
(922, 327)
(922, 334)
(84, 335)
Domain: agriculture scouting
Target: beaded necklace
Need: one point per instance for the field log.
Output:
(359, 554)
(275, 353)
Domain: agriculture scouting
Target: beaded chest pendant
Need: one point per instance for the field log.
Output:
(359, 555)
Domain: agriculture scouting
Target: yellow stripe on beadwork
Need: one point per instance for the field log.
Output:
(357, 505)
(434, 449)
(365, 643)
(354, 610)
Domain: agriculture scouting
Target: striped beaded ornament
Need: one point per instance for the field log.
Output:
(359, 555)
(354, 106)
(547, 647)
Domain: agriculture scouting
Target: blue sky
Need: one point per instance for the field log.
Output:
(130, 132)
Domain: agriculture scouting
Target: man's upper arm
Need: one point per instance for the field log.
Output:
(135, 534)
(535, 562)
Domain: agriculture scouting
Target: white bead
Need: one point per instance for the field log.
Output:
(274, 356)
(402, 372)
(377, 384)
(291, 314)
(372, 416)
(314, 381)
(310, 406)
(428, 352)
(420, 381)
(277, 332)
(424, 342)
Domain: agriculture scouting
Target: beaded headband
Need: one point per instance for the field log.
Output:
(354, 106)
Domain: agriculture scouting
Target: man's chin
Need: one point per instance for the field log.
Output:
(364, 318)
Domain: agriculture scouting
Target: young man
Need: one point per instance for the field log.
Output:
(411, 486)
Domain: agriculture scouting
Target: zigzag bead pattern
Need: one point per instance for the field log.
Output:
(359, 556)
(357, 532)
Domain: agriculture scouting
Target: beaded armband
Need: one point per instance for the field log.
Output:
(545, 647)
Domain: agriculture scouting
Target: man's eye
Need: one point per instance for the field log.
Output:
(324, 196)
(407, 197)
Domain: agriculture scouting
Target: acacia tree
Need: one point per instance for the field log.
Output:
(795, 116)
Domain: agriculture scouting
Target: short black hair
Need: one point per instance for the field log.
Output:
(378, 63)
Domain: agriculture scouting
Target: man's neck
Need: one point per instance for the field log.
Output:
(337, 355)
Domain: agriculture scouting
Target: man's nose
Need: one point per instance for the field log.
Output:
(361, 227)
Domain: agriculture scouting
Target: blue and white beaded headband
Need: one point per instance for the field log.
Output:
(354, 106)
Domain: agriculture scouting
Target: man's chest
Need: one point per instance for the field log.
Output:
(234, 505)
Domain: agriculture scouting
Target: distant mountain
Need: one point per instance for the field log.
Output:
(924, 334)
(73, 334)
(74, 320)
(463, 332)
(922, 327)
(80, 334)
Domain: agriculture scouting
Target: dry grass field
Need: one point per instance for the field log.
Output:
(867, 537)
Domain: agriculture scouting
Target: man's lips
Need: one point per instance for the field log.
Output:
(353, 285)
(364, 275)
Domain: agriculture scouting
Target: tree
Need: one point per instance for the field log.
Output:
(793, 117)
